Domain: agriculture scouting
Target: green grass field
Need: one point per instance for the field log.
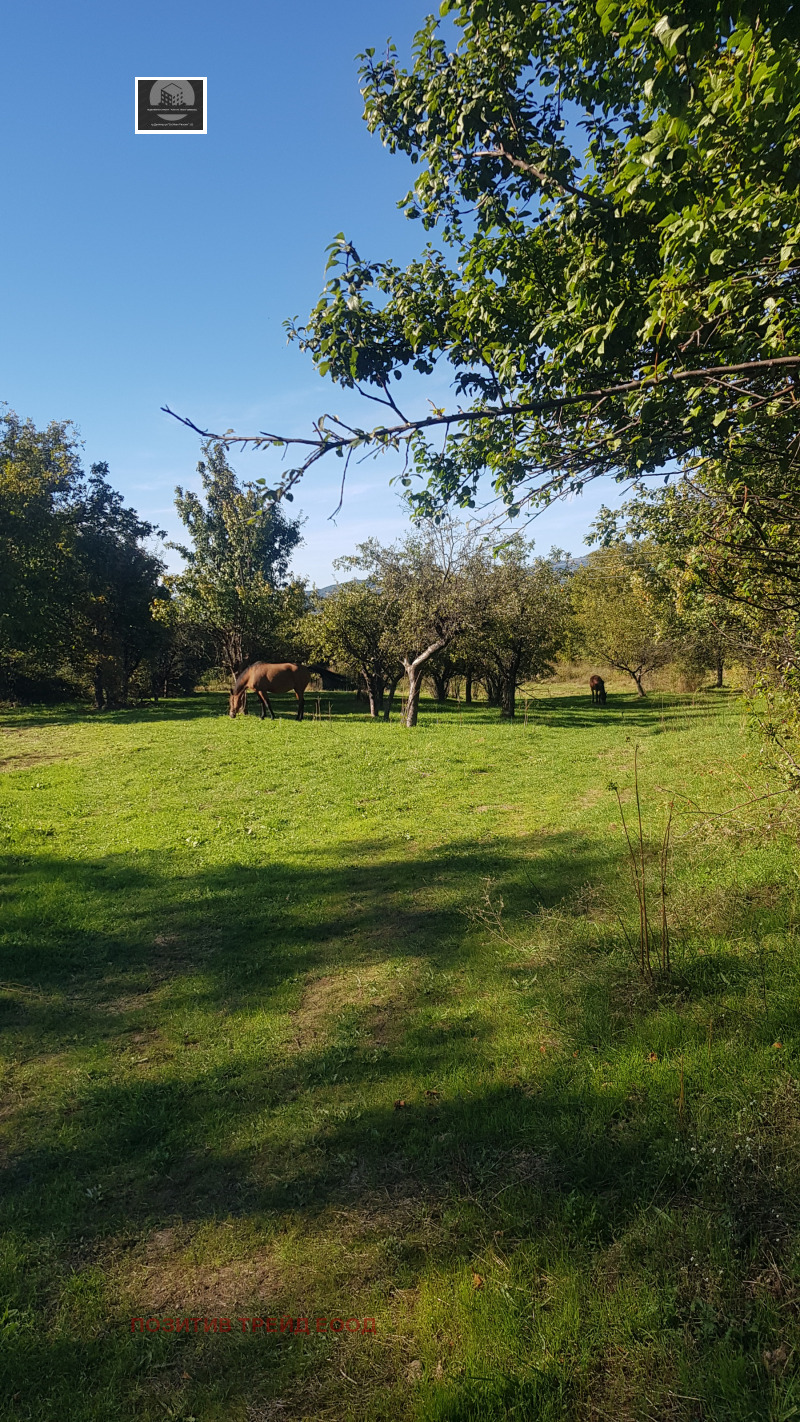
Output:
(339, 1020)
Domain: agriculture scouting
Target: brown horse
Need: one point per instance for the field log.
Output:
(598, 689)
(264, 677)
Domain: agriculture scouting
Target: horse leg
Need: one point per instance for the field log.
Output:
(260, 695)
(300, 704)
(269, 704)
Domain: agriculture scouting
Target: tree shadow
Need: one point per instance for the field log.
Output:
(669, 711)
(125, 952)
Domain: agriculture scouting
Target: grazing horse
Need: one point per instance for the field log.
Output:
(598, 689)
(264, 677)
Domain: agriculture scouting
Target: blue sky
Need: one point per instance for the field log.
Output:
(149, 270)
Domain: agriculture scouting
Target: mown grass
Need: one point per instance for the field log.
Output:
(334, 1019)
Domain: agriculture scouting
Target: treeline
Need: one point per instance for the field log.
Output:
(443, 606)
(87, 607)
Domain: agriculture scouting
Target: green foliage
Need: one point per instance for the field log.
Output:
(429, 581)
(356, 626)
(118, 580)
(619, 617)
(615, 194)
(39, 474)
(235, 588)
(524, 609)
(77, 580)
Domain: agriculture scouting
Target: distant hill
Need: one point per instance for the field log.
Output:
(331, 587)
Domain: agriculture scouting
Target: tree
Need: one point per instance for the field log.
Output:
(617, 621)
(614, 192)
(711, 568)
(117, 581)
(443, 668)
(525, 607)
(76, 578)
(426, 578)
(181, 651)
(236, 584)
(356, 625)
(39, 475)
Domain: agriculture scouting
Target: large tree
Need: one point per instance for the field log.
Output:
(427, 579)
(236, 585)
(611, 278)
(78, 576)
(40, 474)
(117, 580)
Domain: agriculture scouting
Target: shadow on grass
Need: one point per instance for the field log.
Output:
(125, 950)
(658, 710)
(98, 950)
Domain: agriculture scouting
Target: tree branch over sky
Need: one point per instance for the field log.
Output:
(611, 275)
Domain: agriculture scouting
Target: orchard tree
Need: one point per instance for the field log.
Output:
(356, 626)
(617, 621)
(733, 571)
(427, 578)
(236, 585)
(524, 613)
(182, 651)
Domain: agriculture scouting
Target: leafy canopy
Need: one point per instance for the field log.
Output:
(612, 196)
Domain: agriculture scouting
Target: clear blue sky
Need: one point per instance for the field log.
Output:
(149, 270)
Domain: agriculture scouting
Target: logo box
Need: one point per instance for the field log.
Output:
(171, 105)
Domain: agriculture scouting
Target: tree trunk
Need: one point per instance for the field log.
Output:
(375, 688)
(637, 676)
(98, 688)
(441, 685)
(508, 698)
(719, 668)
(492, 690)
(414, 674)
(390, 694)
(468, 689)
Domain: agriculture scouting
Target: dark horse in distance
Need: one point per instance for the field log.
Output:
(598, 689)
(264, 677)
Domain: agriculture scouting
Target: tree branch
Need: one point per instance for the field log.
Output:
(391, 436)
(524, 166)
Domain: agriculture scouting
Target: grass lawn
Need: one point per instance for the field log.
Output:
(336, 1020)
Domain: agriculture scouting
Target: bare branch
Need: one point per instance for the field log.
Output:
(523, 165)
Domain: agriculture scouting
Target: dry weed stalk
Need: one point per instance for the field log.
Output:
(636, 852)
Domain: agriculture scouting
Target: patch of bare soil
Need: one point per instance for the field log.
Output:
(24, 760)
(378, 994)
(164, 1281)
